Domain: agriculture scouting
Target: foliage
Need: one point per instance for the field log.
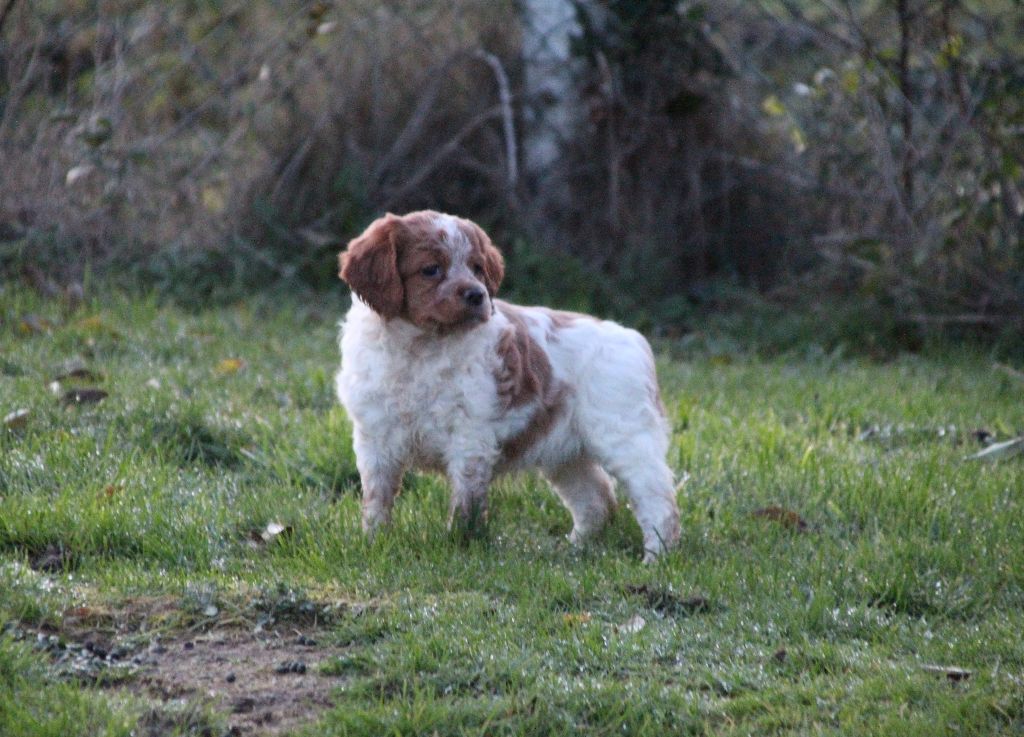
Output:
(905, 118)
(858, 153)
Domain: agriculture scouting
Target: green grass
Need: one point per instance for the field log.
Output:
(911, 556)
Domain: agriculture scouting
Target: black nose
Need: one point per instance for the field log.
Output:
(474, 297)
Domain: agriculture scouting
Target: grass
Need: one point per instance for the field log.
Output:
(221, 421)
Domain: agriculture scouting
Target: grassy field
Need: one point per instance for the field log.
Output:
(167, 550)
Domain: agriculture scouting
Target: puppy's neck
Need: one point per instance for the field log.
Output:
(399, 335)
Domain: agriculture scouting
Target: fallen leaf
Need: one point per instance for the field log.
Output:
(80, 614)
(34, 324)
(785, 517)
(273, 530)
(95, 322)
(78, 173)
(213, 198)
(999, 451)
(230, 366)
(83, 396)
(95, 326)
(951, 672)
(632, 625)
(318, 238)
(17, 418)
(574, 619)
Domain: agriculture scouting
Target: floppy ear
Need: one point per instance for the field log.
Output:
(370, 267)
(494, 268)
(494, 263)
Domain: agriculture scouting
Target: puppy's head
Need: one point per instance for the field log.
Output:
(437, 271)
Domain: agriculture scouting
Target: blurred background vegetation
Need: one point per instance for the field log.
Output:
(857, 163)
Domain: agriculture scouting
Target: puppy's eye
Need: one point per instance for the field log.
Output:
(478, 269)
(431, 271)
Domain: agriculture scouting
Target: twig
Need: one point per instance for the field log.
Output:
(6, 12)
(907, 112)
(614, 165)
(964, 319)
(508, 121)
(414, 181)
(418, 119)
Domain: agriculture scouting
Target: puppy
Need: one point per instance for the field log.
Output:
(438, 374)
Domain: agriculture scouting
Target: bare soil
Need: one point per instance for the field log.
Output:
(264, 683)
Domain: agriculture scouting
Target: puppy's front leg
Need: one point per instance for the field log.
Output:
(467, 512)
(381, 476)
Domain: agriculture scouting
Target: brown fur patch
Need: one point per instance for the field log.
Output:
(562, 319)
(370, 267)
(526, 376)
(540, 425)
(489, 257)
(526, 372)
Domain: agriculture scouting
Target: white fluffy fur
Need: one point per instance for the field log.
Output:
(419, 399)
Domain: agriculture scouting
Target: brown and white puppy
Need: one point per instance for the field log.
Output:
(436, 373)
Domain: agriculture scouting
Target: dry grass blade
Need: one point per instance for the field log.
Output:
(999, 451)
(951, 672)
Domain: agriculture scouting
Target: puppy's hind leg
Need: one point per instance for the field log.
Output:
(638, 463)
(589, 494)
(651, 493)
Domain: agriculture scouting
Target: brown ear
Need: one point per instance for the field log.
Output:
(494, 268)
(494, 263)
(370, 267)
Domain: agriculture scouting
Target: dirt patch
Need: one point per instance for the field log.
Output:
(264, 683)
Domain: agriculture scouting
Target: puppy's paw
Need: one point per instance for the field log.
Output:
(579, 536)
(373, 522)
(468, 520)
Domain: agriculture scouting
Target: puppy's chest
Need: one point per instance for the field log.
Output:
(428, 394)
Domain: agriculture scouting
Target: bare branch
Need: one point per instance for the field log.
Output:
(442, 153)
(508, 121)
(6, 12)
